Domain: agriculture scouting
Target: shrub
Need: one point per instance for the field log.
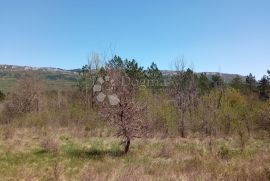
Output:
(224, 153)
(2, 96)
(25, 99)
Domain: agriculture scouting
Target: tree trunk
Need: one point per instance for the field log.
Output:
(127, 145)
(183, 132)
(182, 126)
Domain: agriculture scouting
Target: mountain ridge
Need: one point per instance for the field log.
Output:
(7, 67)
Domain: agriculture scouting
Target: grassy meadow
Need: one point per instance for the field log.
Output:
(72, 154)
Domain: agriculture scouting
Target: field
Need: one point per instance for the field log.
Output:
(7, 84)
(73, 154)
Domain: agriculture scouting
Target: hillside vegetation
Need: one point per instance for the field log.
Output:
(53, 79)
(123, 122)
(56, 79)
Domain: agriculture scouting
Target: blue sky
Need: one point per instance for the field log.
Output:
(230, 36)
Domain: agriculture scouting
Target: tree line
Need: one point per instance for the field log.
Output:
(149, 104)
(189, 102)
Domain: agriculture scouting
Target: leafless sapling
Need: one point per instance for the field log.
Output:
(127, 116)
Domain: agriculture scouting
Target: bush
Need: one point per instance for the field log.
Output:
(25, 99)
(224, 153)
(2, 96)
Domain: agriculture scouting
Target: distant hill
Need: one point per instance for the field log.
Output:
(16, 68)
(57, 78)
(226, 77)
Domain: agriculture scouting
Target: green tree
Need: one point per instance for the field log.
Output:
(130, 68)
(264, 88)
(133, 70)
(237, 83)
(85, 75)
(236, 115)
(251, 83)
(217, 81)
(116, 63)
(204, 84)
(154, 77)
(2, 96)
(85, 85)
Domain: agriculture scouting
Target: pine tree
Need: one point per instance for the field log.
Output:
(251, 83)
(237, 83)
(217, 81)
(116, 63)
(264, 88)
(133, 71)
(154, 77)
(204, 84)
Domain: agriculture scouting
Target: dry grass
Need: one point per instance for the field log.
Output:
(22, 157)
(50, 144)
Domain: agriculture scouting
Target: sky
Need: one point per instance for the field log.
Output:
(231, 36)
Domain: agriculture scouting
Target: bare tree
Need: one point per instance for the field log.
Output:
(95, 60)
(209, 112)
(127, 116)
(88, 78)
(183, 89)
